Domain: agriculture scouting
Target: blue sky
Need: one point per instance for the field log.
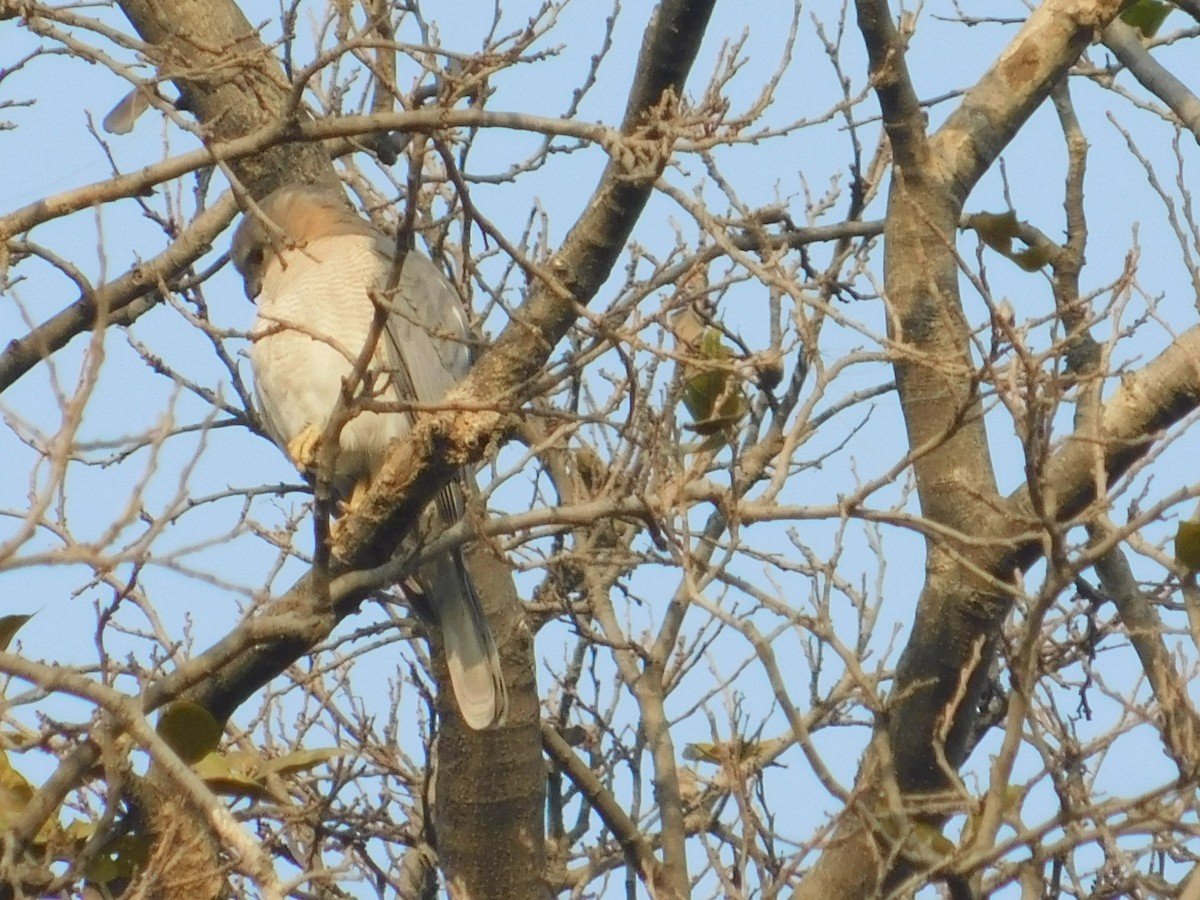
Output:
(197, 594)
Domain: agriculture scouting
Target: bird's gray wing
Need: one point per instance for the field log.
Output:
(426, 342)
(428, 350)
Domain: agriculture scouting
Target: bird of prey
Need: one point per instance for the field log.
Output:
(317, 269)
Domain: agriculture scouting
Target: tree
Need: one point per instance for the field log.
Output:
(719, 410)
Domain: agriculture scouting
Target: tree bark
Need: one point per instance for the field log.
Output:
(490, 835)
(943, 668)
(230, 81)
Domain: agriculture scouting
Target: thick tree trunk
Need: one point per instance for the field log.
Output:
(490, 787)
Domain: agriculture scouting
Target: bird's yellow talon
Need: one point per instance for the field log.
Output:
(302, 449)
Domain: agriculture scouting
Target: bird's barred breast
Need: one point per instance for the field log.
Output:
(314, 315)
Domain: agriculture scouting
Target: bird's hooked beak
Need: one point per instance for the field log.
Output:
(253, 287)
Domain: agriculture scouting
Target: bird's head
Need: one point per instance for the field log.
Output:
(287, 218)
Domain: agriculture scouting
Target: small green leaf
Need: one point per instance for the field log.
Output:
(15, 792)
(1187, 546)
(918, 842)
(302, 760)
(705, 751)
(79, 830)
(1031, 260)
(996, 229)
(926, 844)
(189, 729)
(723, 752)
(9, 625)
(117, 859)
(1146, 16)
(222, 778)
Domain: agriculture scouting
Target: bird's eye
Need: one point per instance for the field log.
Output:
(254, 258)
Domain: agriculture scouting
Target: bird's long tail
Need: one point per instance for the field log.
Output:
(470, 648)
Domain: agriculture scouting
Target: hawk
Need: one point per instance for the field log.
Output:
(316, 270)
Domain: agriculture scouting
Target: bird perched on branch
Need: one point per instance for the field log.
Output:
(317, 271)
